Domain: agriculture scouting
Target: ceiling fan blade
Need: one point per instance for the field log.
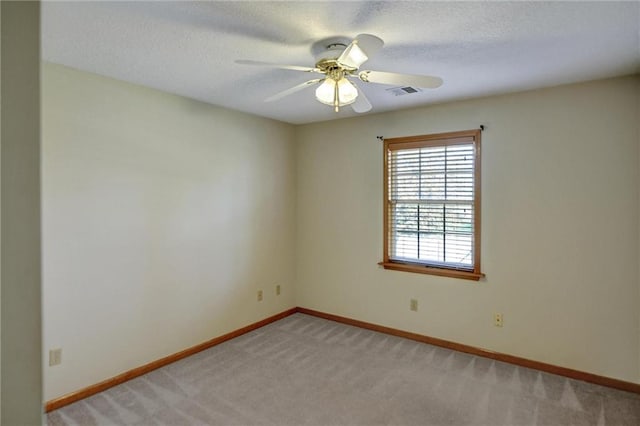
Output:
(370, 44)
(272, 65)
(395, 79)
(293, 89)
(361, 104)
(360, 50)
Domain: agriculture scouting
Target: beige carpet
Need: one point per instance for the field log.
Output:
(304, 370)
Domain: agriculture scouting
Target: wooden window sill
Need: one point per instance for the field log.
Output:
(453, 273)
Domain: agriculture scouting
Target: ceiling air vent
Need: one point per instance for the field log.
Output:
(401, 91)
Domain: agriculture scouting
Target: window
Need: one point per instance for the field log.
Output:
(432, 204)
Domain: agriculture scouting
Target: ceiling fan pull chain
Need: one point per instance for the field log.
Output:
(336, 97)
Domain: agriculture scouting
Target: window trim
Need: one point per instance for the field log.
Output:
(437, 139)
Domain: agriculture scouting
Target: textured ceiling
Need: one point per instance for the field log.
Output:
(478, 48)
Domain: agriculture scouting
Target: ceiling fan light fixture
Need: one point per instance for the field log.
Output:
(325, 92)
(346, 92)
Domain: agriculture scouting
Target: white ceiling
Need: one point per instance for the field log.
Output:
(478, 48)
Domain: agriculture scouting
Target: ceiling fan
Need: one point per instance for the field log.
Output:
(339, 61)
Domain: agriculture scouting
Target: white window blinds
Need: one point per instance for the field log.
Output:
(431, 200)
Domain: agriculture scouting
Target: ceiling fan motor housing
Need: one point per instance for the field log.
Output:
(329, 48)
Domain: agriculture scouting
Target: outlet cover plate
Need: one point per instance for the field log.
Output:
(55, 357)
(413, 305)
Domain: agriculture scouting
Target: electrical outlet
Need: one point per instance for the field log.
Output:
(413, 304)
(259, 295)
(278, 290)
(498, 320)
(55, 357)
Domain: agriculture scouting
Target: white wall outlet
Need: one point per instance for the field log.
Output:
(498, 320)
(278, 290)
(413, 305)
(259, 295)
(55, 357)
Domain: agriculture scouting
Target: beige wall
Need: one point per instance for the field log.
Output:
(0, 217)
(559, 233)
(638, 134)
(162, 217)
(21, 380)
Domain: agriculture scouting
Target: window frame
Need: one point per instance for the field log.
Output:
(435, 140)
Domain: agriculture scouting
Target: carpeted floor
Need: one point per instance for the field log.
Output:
(304, 370)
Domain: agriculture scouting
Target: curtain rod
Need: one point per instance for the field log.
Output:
(381, 138)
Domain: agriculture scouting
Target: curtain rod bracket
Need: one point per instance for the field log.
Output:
(380, 138)
(482, 127)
